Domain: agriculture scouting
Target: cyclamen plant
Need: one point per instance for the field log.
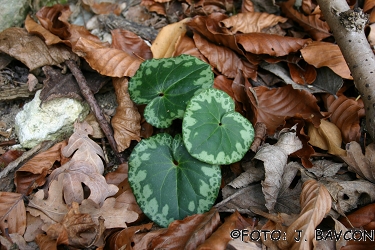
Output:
(172, 178)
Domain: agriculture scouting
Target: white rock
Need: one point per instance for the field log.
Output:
(51, 121)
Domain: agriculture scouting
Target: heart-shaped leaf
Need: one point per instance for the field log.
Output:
(166, 85)
(168, 183)
(212, 131)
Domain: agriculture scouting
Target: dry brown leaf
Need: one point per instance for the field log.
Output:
(224, 59)
(9, 156)
(189, 232)
(326, 54)
(220, 238)
(126, 122)
(86, 167)
(12, 213)
(31, 50)
(247, 6)
(124, 239)
(76, 229)
(34, 28)
(363, 165)
(270, 44)
(97, 130)
(130, 43)
(273, 106)
(115, 214)
(274, 159)
(312, 24)
(315, 203)
(107, 61)
(167, 39)
(45, 242)
(33, 173)
(346, 115)
(34, 227)
(327, 137)
(302, 74)
(104, 8)
(252, 22)
(187, 46)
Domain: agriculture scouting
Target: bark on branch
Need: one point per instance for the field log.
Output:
(347, 27)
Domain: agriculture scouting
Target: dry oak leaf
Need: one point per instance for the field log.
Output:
(86, 166)
(224, 59)
(114, 213)
(167, 39)
(327, 137)
(126, 122)
(107, 61)
(326, 54)
(273, 106)
(275, 159)
(315, 204)
(346, 115)
(220, 238)
(363, 165)
(33, 173)
(312, 24)
(189, 232)
(251, 22)
(270, 44)
(76, 229)
(12, 214)
(31, 50)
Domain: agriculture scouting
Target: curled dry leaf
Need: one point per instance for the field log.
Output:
(327, 137)
(275, 159)
(9, 156)
(346, 115)
(12, 214)
(86, 167)
(34, 28)
(326, 54)
(126, 122)
(33, 173)
(363, 165)
(247, 6)
(167, 39)
(31, 50)
(312, 24)
(107, 61)
(252, 22)
(188, 233)
(273, 106)
(224, 59)
(124, 239)
(315, 203)
(270, 44)
(220, 238)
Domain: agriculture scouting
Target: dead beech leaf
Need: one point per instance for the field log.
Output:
(270, 44)
(34, 28)
(224, 59)
(33, 173)
(107, 61)
(9, 156)
(12, 213)
(220, 238)
(252, 22)
(130, 43)
(315, 204)
(76, 229)
(363, 165)
(167, 39)
(188, 233)
(312, 24)
(273, 106)
(327, 137)
(326, 54)
(104, 8)
(346, 115)
(187, 46)
(31, 50)
(124, 239)
(85, 166)
(126, 122)
(247, 6)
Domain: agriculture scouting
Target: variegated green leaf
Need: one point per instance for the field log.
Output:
(168, 183)
(212, 131)
(166, 85)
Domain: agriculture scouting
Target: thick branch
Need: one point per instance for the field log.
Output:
(347, 27)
